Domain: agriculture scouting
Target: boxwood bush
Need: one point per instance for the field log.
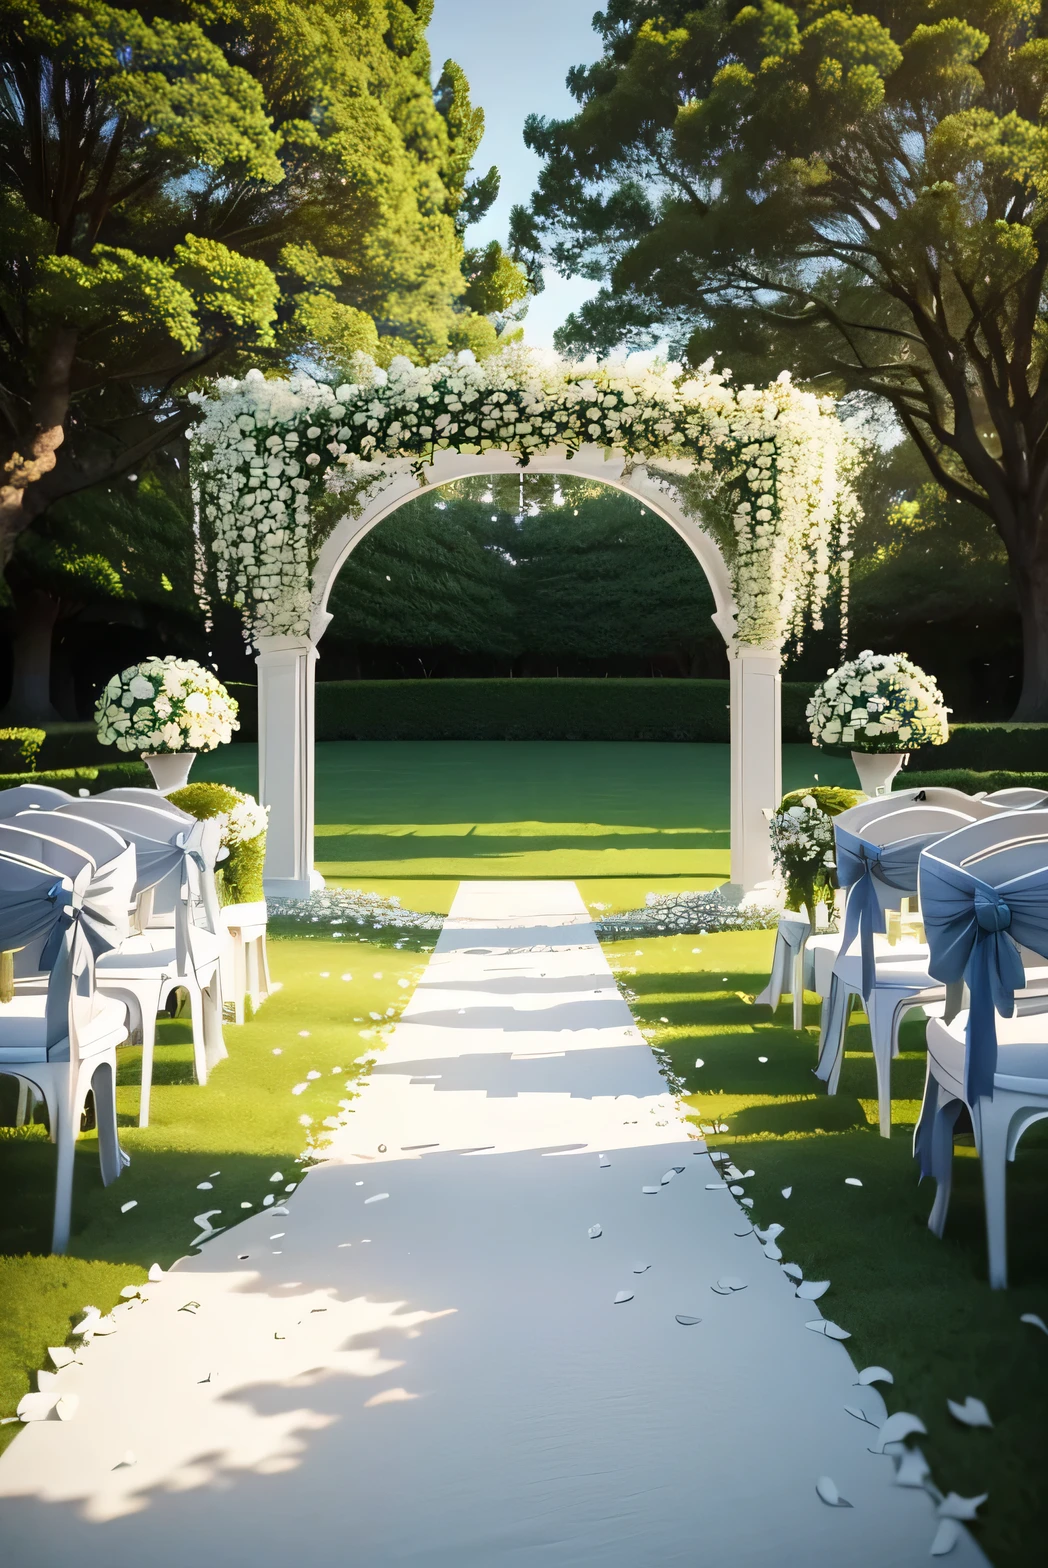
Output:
(970, 781)
(19, 749)
(108, 775)
(1019, 748)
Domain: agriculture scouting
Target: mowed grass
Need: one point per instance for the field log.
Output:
(414, 811)
(919, 1306)
(236, 1131)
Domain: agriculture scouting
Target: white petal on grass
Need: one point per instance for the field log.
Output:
(897, 1428)
(747, 1203)
(651, 1191)
(874, 1375)
(786, 1191)
(622, 1297)
(852, 1181)
(35, 1407)
(972, 1413)
(312, 1074)
(773, 1252)
(946, 1538)
(594, 1231)
(61, 1355)
(827, 1490)
(668, 1177)
(793, 1271)
(67, 1406)
(155, 1272)
(603, 1161)
(205, 1186)
(46, 1381)
(129, 1292)
(716, 1186)
(953, 1506)
(376, 1197)
(280, 1209)
(834, 1331)
(685, 1321)
(125, 1207)
(812, 1289)
(1034, 1321)
(277, 1176)
(762, 1058)
(267, 1200)
(699, 1062)
(770, 1233)
(913, 1470)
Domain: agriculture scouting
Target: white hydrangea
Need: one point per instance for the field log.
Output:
(265, 451)
(177, 704)
(878, 703)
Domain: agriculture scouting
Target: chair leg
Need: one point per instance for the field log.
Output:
(263, 962)
(67, 1104)
(946, 1114)
(993, 1156)
(240, 979)
(25, 1103)
(251, 976)
(797, 987)
(148, 1050)
(196, 1013)
(110, 1156)
(214, 1040)
(881, 1013)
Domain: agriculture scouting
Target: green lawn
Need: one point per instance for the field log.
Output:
(918, 1306)
(436, 811)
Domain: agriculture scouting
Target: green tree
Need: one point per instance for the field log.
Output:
(187, 183)
(115, 552)
(856, 193)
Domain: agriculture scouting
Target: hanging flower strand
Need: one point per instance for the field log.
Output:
(266, 452)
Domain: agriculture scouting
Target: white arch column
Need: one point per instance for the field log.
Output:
(286, 676)
(756, 761)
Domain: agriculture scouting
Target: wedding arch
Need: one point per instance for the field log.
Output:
(290, 475)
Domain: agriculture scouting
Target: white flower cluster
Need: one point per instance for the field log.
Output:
(165, 705)
(876, 703)
(802, 838)
(245, 821)
(267, 451)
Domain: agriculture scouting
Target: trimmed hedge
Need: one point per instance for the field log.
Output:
(966, 779)
(111, 775)
(19, 749)
(1018, 748)
(541, 709)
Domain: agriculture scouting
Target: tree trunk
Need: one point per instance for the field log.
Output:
(1031, 587)
(32, 453)
(35, 615)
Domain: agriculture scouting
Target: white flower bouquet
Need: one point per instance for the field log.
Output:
(802, 843)
(878, 703)
(163, 706)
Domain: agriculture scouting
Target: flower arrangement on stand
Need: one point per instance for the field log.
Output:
(881, 706)
(802, 844)
(168, 710)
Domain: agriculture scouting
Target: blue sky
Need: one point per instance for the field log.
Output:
(516, 57)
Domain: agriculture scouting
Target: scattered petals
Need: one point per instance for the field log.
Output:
(827, 1490)
(685, 1321)
(852, 1181)
(376, 1197)
(125, 1207)
(1034, 1321)
(623, 1296)
(954, 1506)
(786, 1191)
(875, 1375)
(972, 1413)
(913, 1470)
(812, 1289)
(594, 1231)
(897, 1428)
(946, 1538)
(793, 1271)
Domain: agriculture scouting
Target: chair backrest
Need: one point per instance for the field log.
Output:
(24, 796)
(41, 909)
(107, 903)
(984, 896)
(856, 817)
(1022, 799)
(145, 797)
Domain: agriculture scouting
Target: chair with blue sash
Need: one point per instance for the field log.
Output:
(62, 1037)
(877, 860)
(1023, 799)
(984, 897)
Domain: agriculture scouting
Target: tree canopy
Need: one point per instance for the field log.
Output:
(188, 183)
(857, 194)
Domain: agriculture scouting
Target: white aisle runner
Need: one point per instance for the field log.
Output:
(429, 1368)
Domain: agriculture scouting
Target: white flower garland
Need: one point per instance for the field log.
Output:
(877, 703)
(165, 705)
(267, 451)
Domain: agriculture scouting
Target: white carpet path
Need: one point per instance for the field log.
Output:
(440, 1378)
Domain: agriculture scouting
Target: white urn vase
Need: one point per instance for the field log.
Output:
(876, 769)
(170, 769)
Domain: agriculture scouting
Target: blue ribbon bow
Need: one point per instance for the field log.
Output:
(858, 863)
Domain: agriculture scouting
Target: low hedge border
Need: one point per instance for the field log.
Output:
(540, 709)
(966, 779)
(108, 775)
(1018, 748)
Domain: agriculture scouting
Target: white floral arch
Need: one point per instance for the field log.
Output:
(291, 475)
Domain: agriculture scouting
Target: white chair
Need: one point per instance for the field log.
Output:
(984, 892)
(787, 965)
(181, 946)
(25, 796)
(145, 797)
(877, 861)
(62, 1040)
(1023, 799)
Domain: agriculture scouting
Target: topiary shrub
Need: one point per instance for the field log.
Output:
(19, 749)
(803, 845)
(239, 878)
